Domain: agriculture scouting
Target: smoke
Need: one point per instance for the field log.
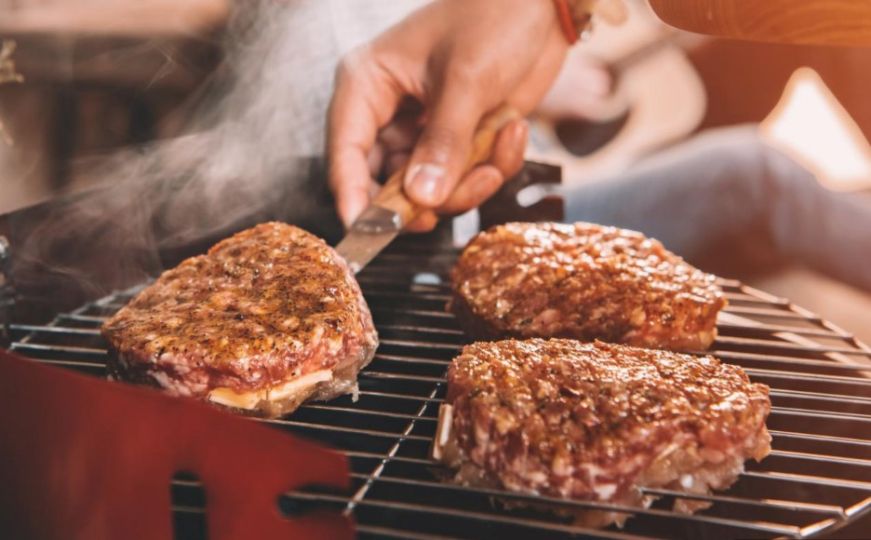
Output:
(251, 151)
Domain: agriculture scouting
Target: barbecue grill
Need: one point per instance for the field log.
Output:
(816, 480)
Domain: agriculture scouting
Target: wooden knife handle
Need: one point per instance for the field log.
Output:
(392, 196)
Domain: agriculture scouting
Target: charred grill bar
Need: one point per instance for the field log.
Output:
(7, 292)
(816, 480)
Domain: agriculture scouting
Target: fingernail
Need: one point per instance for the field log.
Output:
(522, 132)
(521, 137)
(424, 182)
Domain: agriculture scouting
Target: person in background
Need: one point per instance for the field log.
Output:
(409, 80)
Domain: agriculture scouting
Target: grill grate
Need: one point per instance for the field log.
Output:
(817, 478)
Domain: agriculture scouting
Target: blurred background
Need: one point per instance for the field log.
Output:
(87, 82)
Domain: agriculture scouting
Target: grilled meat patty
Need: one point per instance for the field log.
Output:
(598, 421)
(265, 320)
(582, 281)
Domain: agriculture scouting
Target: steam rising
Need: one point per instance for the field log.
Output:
(249, 153)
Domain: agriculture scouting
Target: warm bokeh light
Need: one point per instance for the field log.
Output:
(812, 126)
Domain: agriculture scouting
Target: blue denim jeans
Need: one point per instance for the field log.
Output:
(727, 189)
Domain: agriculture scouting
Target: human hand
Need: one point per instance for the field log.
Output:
(417, 92)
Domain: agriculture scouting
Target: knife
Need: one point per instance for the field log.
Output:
(390, 211)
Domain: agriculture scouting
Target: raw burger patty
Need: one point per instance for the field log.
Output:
(586, 282)
(598, 421)
(265, 320)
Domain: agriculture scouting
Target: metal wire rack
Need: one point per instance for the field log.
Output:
(817, 478)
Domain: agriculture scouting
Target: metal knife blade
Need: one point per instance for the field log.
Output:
(391, 210)
(369, 235)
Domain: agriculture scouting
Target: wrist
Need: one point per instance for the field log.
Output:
(576, 16)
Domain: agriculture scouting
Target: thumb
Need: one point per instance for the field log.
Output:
(438, 160)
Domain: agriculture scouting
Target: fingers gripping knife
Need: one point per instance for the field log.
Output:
(391, 210)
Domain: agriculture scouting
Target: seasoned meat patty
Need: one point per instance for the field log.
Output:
(582, 281)
(265, 320)
(598, 421)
